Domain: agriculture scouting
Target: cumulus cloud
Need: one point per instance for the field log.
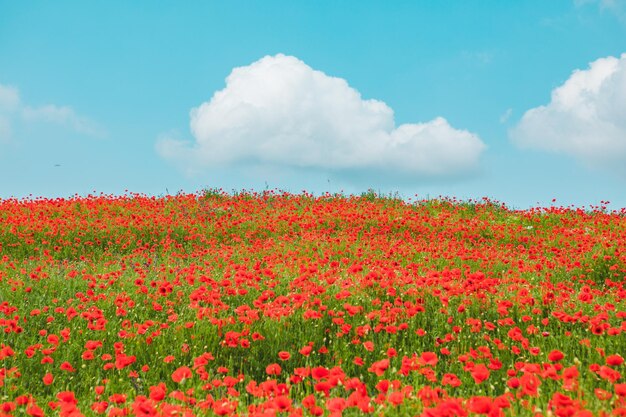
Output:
(61, 115)
(9, 98)
(586, 117)
(504, 117)
(13, 112)
(615, 7)
(9, 102)
(279, 111)
(5, 129)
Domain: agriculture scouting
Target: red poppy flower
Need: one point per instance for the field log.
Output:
(480, 373)
(118, 398)
(609, 374)
(379, 367)
(450, 379)
(601, 394)
(34, 411)
(614, 360)
(336, 405)
(283, 403)
(530, 384)
(99, 407)
(273, 369)
(67, 397)
(480, 405)
(48, 379)
(319, 373)
(66, 366)
(181, 374)
(429, 358)
(555, 356)
(383, 385)
(323, 386)
(306, 350)
(23, 399)
(396, 398)
(158, 392)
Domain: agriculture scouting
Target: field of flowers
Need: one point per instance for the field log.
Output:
(274, 304)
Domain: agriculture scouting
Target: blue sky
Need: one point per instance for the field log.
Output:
(467, 99)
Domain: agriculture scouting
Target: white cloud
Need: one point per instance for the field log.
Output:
(9, 103)
(5, 129)
(586, 117)
(61, 115)
(11, 108)
(616, 7)
(279, 111)
(604, 4)
(504, 117)
(9, 98)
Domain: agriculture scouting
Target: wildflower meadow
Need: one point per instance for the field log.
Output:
(277, 304)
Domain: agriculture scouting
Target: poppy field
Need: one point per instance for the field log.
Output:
(275, 304)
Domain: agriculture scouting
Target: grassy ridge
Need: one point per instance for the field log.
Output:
(295, 304)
